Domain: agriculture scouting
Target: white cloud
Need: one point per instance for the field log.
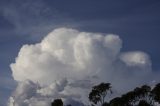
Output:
(67, 63)
(136, 59)
(53, 88)
(65, 53)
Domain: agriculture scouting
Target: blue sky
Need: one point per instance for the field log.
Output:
(137, 22)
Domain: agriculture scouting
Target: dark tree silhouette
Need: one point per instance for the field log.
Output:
(156, 93)
(142, 91)
(105, 104)
(143, 103)
(140, 96)
(115, 102)
(57, 102)
(130, 98)
(69, 105)
(99, 92)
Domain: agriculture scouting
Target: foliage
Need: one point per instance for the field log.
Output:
(156, 92)
(140, 96)
(143, 103)
(99, 93)
(105, 104)
(57, 102)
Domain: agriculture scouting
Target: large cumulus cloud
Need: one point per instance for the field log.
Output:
(67, 62)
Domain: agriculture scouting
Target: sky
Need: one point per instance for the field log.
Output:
(125, 33)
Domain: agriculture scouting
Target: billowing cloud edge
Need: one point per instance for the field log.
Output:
(67, 63)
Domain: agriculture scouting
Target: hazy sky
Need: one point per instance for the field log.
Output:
(136, 22)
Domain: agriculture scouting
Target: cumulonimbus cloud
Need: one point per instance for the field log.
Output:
(67, 63)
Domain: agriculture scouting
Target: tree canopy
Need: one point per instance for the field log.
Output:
(140, 96)
(57, 102)
(99, 93)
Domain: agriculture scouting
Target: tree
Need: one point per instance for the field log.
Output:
(105, 104)
(142, 91)
(99, 92)
(116, 102)
(139, 94)
(143, 103)
(57, 102)
(156, 93)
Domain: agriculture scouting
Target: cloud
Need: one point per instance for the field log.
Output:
(65, 53)
(67, 63)
(136, 59)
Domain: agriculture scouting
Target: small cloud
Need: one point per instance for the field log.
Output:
(136, 59)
